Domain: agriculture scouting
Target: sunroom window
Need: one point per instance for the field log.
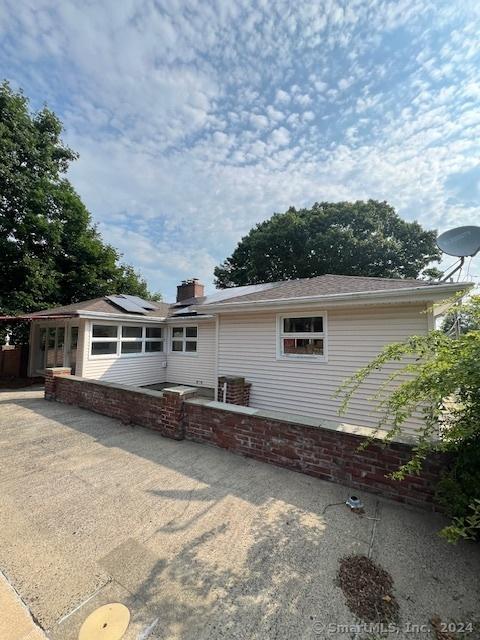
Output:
(132, 340)
(184, 339)
(153, 339)
(302, 336)
(104, 348)
(104, 339)
(105, 331)
(125, 340)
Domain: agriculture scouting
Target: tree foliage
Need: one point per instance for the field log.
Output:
(349, 238)
(50, 252)
(439, 376)
(460, 320)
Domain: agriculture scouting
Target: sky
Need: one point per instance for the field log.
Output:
(194, 119)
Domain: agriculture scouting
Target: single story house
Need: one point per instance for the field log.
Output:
(293, 341)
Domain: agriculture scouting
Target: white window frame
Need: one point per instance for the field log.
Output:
(314, 334)
(140, 340)
(119, 339)
(145, 340)
(36, 344)
(183, 340)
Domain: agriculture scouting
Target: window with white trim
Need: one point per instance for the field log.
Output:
(125, 340)
(153, 339)
(302, 336)
(184, 339)
(104, 339)
(132, 339)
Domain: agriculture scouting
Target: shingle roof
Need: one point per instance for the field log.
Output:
(328, 284)
(103, 306)
(323, 285)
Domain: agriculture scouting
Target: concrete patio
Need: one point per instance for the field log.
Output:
(198, 543)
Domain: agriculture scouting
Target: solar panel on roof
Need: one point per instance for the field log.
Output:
(145, 304)
(127, 305)
(235, 292)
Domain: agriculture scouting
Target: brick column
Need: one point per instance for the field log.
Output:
(171, 420)
(237, 390)
(50, 375)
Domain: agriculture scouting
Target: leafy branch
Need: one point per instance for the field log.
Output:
(436, 376)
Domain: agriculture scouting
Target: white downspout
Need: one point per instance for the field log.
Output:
(217, 331)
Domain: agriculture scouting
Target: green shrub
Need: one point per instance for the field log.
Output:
(443, 383)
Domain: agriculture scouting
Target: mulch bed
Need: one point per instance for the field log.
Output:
(368, 590)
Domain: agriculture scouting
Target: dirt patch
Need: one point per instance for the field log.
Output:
(368, 589)
(440, 632)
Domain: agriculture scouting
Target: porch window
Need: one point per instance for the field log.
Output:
(132, 340)
(105, 331)
(184, 339)
(302, 336)
(125, 340)
(104, 339)
(104, 348)
(153, 339)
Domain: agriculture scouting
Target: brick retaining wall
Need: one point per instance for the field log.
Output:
(324, 453)
(321, 451)
(161, 411)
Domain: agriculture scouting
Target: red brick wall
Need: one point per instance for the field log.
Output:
(323, 453)
(235, 390)
(161, 412)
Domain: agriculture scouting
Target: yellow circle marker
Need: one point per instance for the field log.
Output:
(106, 623)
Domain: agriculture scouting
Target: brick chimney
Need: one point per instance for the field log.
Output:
(192, 288)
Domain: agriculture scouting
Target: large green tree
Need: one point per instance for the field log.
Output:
(349, 238)
(50, 252)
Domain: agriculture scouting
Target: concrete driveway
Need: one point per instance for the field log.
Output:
(196, 542)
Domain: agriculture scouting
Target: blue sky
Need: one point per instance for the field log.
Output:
(194, 120)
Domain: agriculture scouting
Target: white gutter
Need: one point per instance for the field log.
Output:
(426, 292)
(103, 315)
(189, 319)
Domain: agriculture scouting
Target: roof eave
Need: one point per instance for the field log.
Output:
(425, 293)
(103, 315)
(32, 316)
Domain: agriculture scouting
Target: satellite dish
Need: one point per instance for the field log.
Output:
(460, 242)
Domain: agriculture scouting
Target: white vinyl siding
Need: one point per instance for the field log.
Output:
(194, 368)
(81, 346)
(248, 347)
(140, 369)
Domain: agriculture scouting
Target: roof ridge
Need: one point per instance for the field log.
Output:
(343, 275)
(337, 275)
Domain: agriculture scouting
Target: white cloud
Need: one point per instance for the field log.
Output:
(344, 83)
(275, 114)
(280, 136)
(177, 112)
(320, 86)
(259, 121)
(282, 96)
(303, 99)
